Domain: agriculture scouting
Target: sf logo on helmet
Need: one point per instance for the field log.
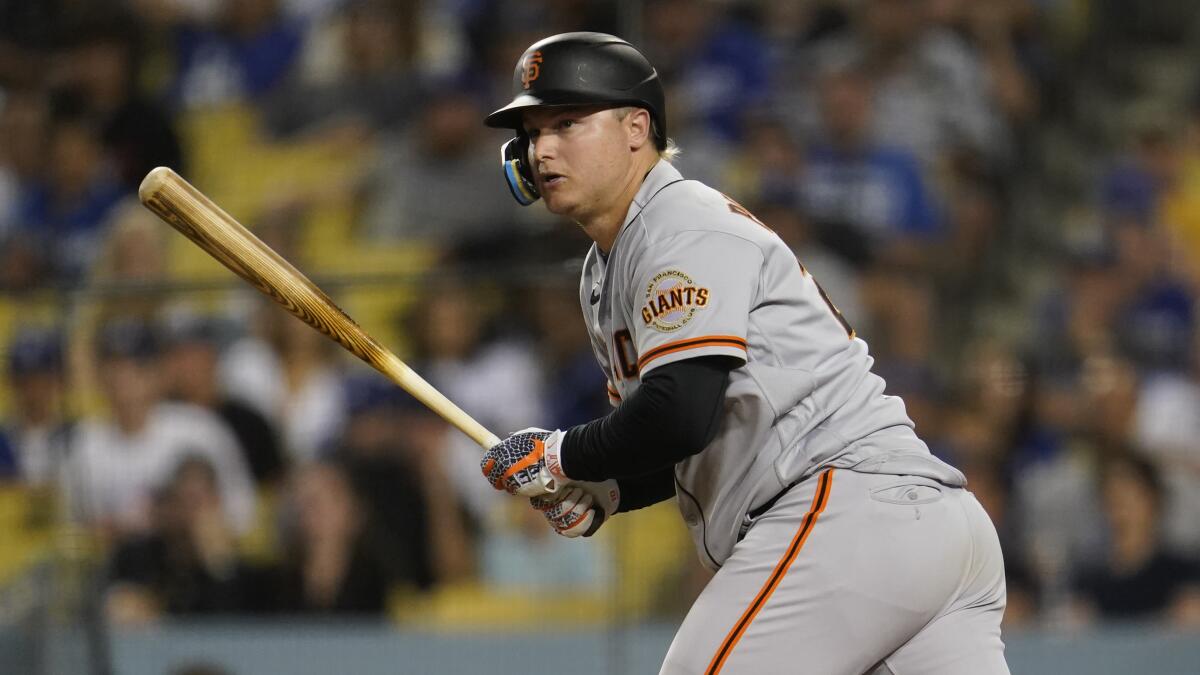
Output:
(532, 69)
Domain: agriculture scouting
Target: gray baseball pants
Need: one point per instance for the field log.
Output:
(850, 574)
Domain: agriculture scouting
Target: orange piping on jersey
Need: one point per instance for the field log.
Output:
(613, 393)
(532, 458)
(806, 527)
(691, 343)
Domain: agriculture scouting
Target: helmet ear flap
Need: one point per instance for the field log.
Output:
(514, 156)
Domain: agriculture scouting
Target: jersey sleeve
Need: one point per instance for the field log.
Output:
(691, 295)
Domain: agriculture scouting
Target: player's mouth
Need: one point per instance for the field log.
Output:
(551, 179)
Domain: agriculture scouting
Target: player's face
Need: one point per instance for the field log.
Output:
(580, 157)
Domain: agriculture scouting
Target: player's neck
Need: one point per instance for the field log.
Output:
(604, 227)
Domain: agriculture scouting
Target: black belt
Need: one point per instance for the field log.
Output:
(754, 514)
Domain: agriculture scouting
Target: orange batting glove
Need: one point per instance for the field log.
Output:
(526, 463)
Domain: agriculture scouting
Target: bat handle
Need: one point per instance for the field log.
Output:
(410, 381)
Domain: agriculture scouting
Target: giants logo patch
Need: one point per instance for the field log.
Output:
(533, 68)
(672, 298)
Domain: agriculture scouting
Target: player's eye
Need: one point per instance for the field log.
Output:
(531, 133)
(566, 124)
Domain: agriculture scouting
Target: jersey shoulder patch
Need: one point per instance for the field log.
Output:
(671, 299)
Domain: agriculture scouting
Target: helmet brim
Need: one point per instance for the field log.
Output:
(511, 116)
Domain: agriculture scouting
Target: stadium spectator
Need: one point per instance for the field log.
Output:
(35, 439)
(1131, 190)
(1156, 315)
(132, 256)
(930, 96)
(1166, 427)
(851, 180)
(238, 55)
(1005, 37)
(187, 563)
(790, 26)
(969, 262)
(291, 377)
(995, 393)
(1054, 496)
(22, 121)
(1075, 316)
(134, 253)
(332, 564)
(1137, 578)
(65, 207)
(393, 451)
(1108, 394)
(766, 167)
(714, 65)
(371, 84)
(101, 66)
(24, 117)
(901, 313)
(190, 367)
(118, 463)
(415, 190)
(574, 386)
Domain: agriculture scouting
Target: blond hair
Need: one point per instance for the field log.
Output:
(670, 151)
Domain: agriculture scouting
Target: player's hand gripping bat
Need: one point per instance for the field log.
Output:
(186, 209)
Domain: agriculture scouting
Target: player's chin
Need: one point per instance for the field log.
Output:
(557, 204)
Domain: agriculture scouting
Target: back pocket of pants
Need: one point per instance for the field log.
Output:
(913, 494)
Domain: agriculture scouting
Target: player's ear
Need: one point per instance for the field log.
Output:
(637, 125)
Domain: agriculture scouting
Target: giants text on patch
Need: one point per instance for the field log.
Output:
(672, 299)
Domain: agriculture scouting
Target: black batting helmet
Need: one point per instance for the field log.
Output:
(584, 69)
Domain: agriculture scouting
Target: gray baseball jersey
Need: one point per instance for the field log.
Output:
(693, 273)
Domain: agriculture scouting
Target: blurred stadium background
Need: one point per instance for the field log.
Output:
(1003, 197)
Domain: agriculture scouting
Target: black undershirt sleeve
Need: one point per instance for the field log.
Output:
(673, 415)
(648, 490)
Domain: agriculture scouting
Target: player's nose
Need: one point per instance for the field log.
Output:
(542, 148)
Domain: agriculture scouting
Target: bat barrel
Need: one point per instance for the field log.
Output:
(189, 211)
(196, 216)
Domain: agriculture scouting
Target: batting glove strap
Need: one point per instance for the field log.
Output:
(517, 464)
(553, 457)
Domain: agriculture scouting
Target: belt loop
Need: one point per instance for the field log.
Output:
(747, 521)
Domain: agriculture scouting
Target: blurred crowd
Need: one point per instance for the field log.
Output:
(1003, 198)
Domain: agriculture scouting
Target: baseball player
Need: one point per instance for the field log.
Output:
(840, 545)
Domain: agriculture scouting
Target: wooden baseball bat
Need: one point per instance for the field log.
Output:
(188, 210)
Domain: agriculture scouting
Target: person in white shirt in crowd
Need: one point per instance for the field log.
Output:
(290, 375)
(119, 461)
